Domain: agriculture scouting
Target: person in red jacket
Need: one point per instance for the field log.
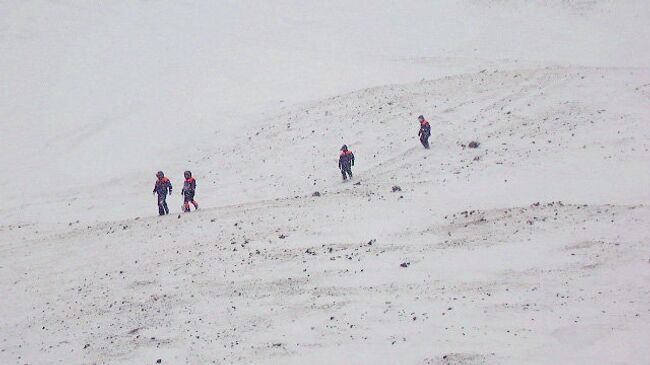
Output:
(346, 161)
(189, 188)
(425, 131)
(162, 187)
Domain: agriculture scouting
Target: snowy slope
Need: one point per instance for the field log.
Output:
(97, 97)
(531, 248)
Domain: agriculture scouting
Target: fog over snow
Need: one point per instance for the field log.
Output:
(532, 248)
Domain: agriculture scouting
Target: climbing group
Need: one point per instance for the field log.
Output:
(163, 186)
(346, 159)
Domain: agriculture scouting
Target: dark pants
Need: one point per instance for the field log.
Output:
(424, 138)
(162, 204)
(346, 170)
(188, 197)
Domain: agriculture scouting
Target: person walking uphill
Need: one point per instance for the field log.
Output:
(425, 131)
(162, 187)
(346, 161)
(189, 188)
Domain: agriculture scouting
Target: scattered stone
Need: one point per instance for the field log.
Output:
(473, 144)
(396, 189)
(316, 193)
(282, 236)
(159, 361)
(405, 264)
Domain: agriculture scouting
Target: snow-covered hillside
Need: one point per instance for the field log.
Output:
(531, 248)
(97, 97)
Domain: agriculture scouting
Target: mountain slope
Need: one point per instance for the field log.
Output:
(97, 97)
(526, 254)
(531, 248)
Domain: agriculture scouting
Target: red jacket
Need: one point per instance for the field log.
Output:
(346, 159)
(162, 186)
(189, 185)
(425, 129)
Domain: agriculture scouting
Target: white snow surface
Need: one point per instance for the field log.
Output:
(533, 248)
